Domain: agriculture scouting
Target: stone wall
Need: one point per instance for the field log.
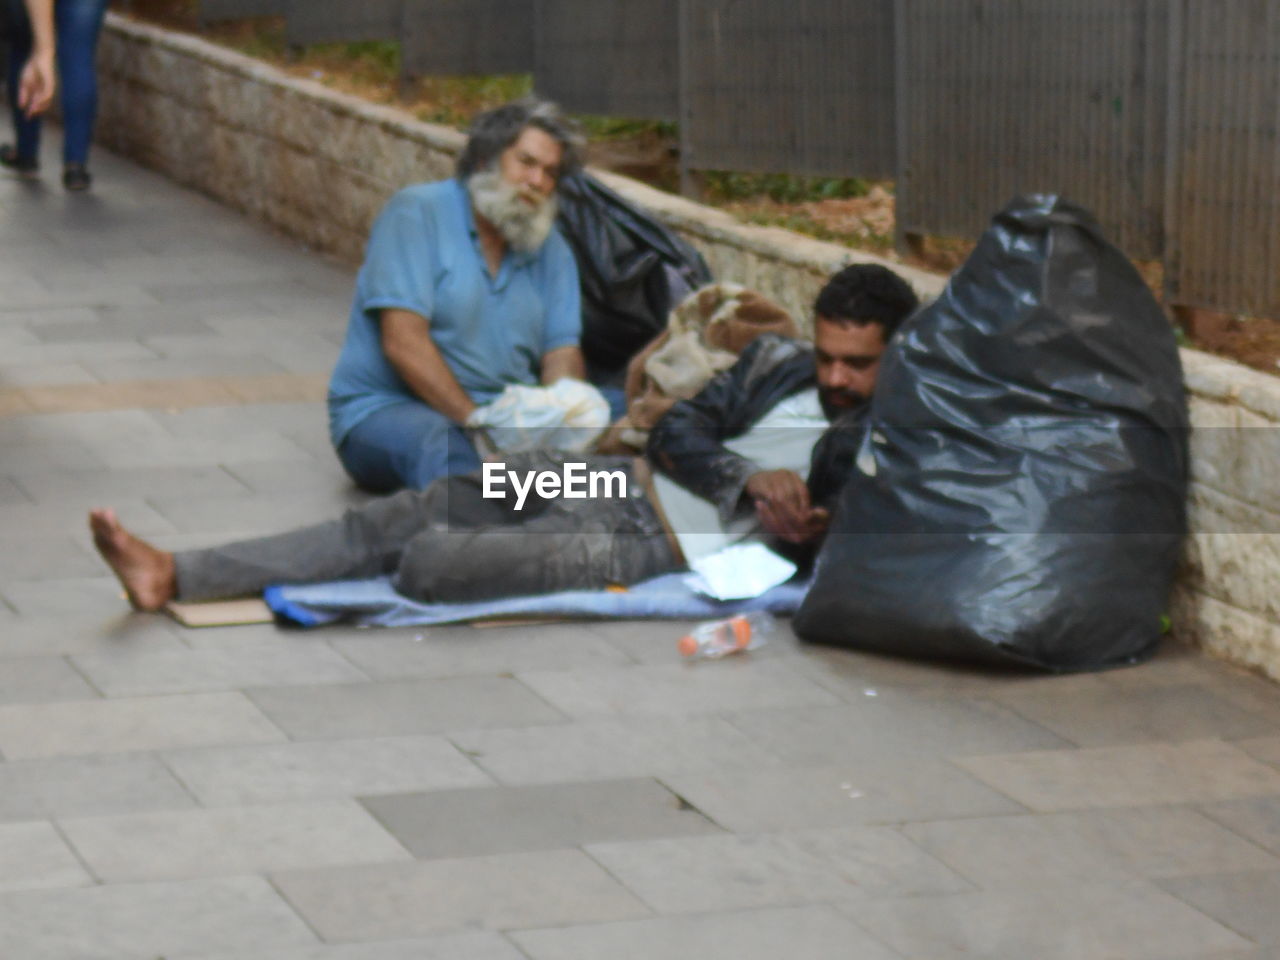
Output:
(318, 165)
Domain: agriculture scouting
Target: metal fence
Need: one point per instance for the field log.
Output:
(1162, 116)
(609, 57)
(1034, 96)
(332, 21)
(467, 36)
(802, 87)
(1223, 211)
(215, 11)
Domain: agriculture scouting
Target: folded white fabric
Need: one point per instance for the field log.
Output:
(568, 415)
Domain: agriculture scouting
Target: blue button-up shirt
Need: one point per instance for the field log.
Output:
(424, 256)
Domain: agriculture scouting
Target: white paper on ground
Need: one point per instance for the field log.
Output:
(739, 572)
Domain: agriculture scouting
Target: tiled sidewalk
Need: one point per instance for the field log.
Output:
(561, 792)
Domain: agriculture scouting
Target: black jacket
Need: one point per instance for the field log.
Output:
(688, 443)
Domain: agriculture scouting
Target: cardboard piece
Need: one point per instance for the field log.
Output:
(220, 613)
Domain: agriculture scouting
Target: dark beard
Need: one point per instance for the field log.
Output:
(833, 411)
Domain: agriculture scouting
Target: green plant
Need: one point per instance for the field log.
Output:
(725, 185)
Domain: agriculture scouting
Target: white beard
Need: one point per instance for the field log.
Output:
(524, 227)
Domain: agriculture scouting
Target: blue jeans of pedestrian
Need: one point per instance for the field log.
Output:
(406, 445)
(78, 23)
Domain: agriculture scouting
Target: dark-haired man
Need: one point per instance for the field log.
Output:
(732, 463)
(466, 289)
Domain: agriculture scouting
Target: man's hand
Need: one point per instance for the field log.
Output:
(38, 79)
(36, 85)
(782, 504)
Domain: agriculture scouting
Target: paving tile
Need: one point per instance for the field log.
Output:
(1054, 921)
(717, 873)
(403, 707)
(1168, 713)
(51, 454)
(1089, 845)
(889, 724)
(146, 723)
(52, 556)
(128, 327)
(76, 596)
(126, 395)
(325, 476)
(148, 920)
(610, 749)
(1200, 771)
(1245, 902)
(45, 373)
(10, 492)
(229, 421)
(677, 688)
(865, 791)
(52, 635)
(57, 520)
(460, 651)
(90, 488)
(169, 451)
(510, 891)
(184, 844)
(468, 823)
(87, 355)
(1257, 818)
(345, 768)
(41, 679)
(34, 857)
(456, 946)
(264, 514)
(848, 672)
(85, 786)
(226, 667)
(805, 933)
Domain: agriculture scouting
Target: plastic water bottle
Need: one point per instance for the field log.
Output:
(716, 638)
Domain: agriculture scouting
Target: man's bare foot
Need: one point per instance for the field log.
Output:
(146, 573)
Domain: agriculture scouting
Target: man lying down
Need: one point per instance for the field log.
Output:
(731, 463)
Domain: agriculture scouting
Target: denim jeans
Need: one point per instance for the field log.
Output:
(78, 23)
(406, 445)
(450, 543)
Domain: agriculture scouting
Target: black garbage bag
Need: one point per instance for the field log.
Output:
(1017, 492)
(633, 270)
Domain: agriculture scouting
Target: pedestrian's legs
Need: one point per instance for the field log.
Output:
(406, 445)
(26, 132)
(365, 542)
(79, 23)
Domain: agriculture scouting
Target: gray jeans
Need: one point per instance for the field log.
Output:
(450, 543)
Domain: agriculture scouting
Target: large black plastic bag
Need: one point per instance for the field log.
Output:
(1018, 490)
(633, 270)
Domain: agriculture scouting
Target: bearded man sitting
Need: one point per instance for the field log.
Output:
(466, 289)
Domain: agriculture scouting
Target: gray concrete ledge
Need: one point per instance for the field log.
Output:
(318, 165)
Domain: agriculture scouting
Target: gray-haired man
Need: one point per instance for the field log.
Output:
(466, 289)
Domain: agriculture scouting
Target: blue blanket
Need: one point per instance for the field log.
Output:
(373, 603)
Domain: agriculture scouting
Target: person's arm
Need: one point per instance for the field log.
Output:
(407, 343)
(687, 444)
(563, 362)
(38, 80)
(561, 291)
